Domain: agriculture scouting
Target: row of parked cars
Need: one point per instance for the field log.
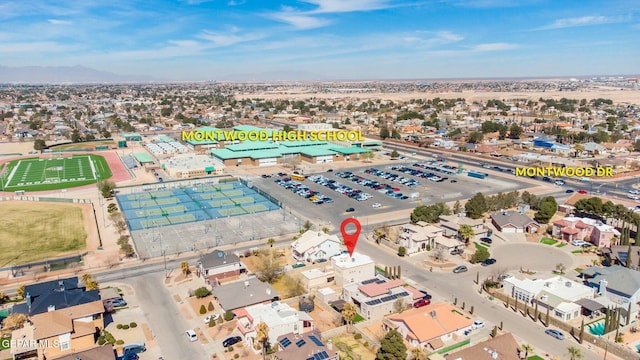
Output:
(304, 191)
(438, 166)
(374, 185)
(423, 174)
(393, 177)
(340, 188)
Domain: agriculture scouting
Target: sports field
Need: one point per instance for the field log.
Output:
(32, 233)
(54, 171)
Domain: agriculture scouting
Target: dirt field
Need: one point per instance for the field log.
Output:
(31, 233)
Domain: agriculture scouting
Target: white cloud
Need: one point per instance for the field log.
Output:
(493, 47)
(217, 39)
(342, 6)
(300, 20)
(236, 2)
(59, 22)
(430, 38)
(582, 21)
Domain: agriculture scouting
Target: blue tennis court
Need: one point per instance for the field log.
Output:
(150, 209)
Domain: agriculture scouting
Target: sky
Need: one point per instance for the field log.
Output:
(325, 39)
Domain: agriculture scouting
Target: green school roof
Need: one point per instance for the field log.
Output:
(349, 151)
(299, 143)
(143, 158)
(165, 138)
(130, 134)
(252, 128)
(252, 145)
(265, 154)
(225, 154)
(316, 151)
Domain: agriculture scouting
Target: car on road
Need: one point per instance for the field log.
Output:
(489, 261)
(633, 197)
(582, 191)
(376, 205)
(569, 191)
(486, 240)
(634, 192)
(192, 336)
(350, 210)
(555, 333)
(454, 180)
(422, 302)
(231, 341)
(330, 170)
(213, 317)
(460, 269)
(559, 182)
(478, 324)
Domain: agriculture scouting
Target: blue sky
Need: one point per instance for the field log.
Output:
(328, 39)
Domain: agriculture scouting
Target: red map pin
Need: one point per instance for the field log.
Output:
(350, 240)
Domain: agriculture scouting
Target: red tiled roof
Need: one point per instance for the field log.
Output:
(374, 289)
(569, 230)
(581, 225)
(562, 223)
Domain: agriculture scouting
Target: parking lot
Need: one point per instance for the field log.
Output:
(455, 187)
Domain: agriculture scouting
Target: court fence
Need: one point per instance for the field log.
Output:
(44, 199)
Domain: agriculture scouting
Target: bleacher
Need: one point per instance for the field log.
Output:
(129, 162)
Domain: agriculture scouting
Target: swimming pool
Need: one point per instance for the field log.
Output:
(597, 328)
(638, 347)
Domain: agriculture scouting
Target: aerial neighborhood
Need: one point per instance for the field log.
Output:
(128, 238)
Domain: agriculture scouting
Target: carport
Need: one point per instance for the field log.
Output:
(591, 308)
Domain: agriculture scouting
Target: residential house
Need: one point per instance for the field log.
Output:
(104, 352)
(503, 347)
(591, 230)
(219, 265)
(376, 297)
(511, 221)
(280, 317)
(558, 293)
(314, 278)
(592, 148)
(451, 225)
(307, 346)
(239, 294)
(56, 294)
(60, 332)
(431, 325)
(419, 237)
(349, 269)
(315, 245)
(618, 255)
(617, 283)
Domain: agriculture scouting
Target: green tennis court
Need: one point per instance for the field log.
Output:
(213, 195)
(232, 211)
(244, 200)
(254, 208)
(155, 222)
(156, 212)
(182, 218)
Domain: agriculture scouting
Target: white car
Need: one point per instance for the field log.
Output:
(634, 192)
(376, 205)
(578, 242)
(478, 324)
(633, 197)
(213, 317)
(191, 335)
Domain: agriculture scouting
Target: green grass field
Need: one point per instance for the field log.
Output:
(52, 172)
(31, 233)
(548, 241)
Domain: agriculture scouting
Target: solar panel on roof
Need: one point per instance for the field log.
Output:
(285, 342)
(316, 340)
(311, 358)
(300, 343)
(370, 281)
(379, 281)
(324, 355)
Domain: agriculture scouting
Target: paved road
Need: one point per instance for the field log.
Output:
(164, 317)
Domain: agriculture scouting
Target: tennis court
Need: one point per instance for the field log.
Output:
(151, 209)
(56, 171)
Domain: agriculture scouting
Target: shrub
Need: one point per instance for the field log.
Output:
(119, 326)
(221, 320)
(357, 336)
(402, 251)
(202, 292)
(366, 344)
(210, 306)
(101, 340)
(228, 315)
(125, 327)
(203, 310)
(236, 356)
(230, 348)
(133, 325)
(212, 322)
(120, 342)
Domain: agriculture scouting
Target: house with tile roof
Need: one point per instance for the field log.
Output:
(503, 347)
(617, 283)
(431, 325)
(451, 225)
(375, 297)
(60, 332)
(511, 221)
(420, 236)
(104, 352)
(315, 245)
(594, 231)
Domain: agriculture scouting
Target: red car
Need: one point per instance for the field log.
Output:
(582, 191)
(421, 303)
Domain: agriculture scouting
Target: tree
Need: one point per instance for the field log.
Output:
(267, 267)
(402, 251)
(271, 241)
(395, 134)
(349, 312)
(395, 154)
(560, 268)
(307, 225)
(184, 267)
(527, 348)
(417, 353)
(203, 310)
(262, 337)
(548, 207)
(429, 213)
(515, 131)
(476, 137)
(20, 291)
(106, 188)
(293, 285)
(39, 144)
(75, 136)
(89, 282)
(480, 255)
(399, 306)
(384, 132)
(466, 233)
(392, 347)
(14, 321)
(457, 208)
(202, 292)
(476, 206)
(574, 353)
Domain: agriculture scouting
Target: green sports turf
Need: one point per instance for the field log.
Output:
(156, 212)
(244, 200)
(52, 172)
(155, 223)
(182, 218)
(221, 203)
(232, 193)
(254, 208)
(231, 211)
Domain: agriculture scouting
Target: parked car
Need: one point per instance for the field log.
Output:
(460, 269)
(478, 324)
(213, 317)
(426, 295)
(350, 210)
(231, 341)
(486, 240)
(555, 333)
(134, 348)
(569, 191)
(422, 302)
(118, 302)
(489, 261)
(456, 251)
(577, 242)
(129, 356)
(376, 205)
(582, 191)
(192, 336)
